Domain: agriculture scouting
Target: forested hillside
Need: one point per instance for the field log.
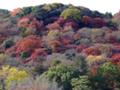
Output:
(59, 47)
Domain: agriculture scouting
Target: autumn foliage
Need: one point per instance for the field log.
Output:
(72, 45)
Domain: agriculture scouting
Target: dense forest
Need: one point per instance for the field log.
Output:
(59, 47)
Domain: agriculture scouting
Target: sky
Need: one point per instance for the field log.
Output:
(103, 6)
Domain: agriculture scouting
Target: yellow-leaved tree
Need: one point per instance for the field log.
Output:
(11, 75)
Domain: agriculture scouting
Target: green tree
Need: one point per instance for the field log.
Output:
(62, 75)
(71, 13)
(24, 54)
(8, 43)
(25, 11)
(108, 15)
(81, 83)
(49, 7)
(39, 13)
(107, 77)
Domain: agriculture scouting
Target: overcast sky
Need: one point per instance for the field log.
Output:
(101, 5)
